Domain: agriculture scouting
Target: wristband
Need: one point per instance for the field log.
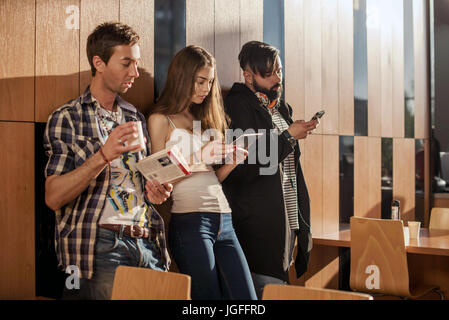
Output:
(104, 157)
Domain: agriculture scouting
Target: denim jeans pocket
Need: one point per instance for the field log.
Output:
(106, 241)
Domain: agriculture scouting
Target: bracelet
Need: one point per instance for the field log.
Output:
(104, 157)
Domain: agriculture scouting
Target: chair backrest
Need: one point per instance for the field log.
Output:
(132, 283)
(288, 292)
(439, 219)
(378, 257)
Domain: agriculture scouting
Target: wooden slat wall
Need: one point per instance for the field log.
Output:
(331, 177)
(17, 60)
(367, 174)
(386, 67)
(93, 13)
(294, 69)
(318, 74)
(57, 57)
(227, 41)
(397, 57)
(346, 65)
(17, 268)
(200, 29)
(312, 58)
(319, 59)
(404, 176)
(374, 69)
(139, 14)
(251, 24)
(330, 68)
(313, 174)
(420, 40)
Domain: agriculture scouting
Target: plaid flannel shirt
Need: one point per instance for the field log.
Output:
(70, 138)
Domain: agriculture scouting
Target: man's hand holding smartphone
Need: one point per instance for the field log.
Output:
(300, 129)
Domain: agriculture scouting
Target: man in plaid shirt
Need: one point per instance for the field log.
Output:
(104, 217)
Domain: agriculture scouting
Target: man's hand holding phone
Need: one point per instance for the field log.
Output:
(299, 129)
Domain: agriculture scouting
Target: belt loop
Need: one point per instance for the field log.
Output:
(122, 228)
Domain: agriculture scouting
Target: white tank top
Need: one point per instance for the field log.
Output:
(201, 191)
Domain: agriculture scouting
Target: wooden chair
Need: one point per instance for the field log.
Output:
(379, 259)
(287, 292)
(132, 283)
(439, 219)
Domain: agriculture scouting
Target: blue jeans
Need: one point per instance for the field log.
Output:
(204, 245)
(111, 252)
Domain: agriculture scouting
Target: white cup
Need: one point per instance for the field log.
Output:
(140, 140)
(414, 226)
(406, 236)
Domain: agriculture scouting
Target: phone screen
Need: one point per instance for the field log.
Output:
(246, 140)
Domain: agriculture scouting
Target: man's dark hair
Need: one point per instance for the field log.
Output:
(260, 57)
(105, 37)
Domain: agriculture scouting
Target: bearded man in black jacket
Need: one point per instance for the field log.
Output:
(270, 205)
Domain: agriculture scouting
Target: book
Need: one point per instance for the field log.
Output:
(164, 166)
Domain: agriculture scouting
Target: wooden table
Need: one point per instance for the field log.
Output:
(431, 242)
(428, 257)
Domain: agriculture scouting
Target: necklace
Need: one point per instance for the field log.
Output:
(112, 114)
(108, 120)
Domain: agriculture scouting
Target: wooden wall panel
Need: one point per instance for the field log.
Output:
(313, 173)
(386, 67)
(251, 24)
(294, 57)
(139, 14)
(427, 201)
(329, 61)
(323, 268)
(17, 269)
(331, 179)
(227, 42)
(398, 117)
(200, 28)
(312, 58)
(367, 177)
(420, 41)
(404, 176)
(374, 68)
(440, 202)
(251, 21)
(57, 56)
(17, 36)
(93, 13)
(346, 67)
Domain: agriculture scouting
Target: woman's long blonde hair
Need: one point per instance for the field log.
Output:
(180, 87)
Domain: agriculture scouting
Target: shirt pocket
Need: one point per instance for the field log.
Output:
(83, 148)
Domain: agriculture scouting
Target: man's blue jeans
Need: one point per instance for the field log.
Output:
(111, 252)
(204, 245)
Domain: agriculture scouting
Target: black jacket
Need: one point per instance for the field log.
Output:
(256, 200)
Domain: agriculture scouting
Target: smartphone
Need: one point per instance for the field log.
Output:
(318, 115)
(245, 140)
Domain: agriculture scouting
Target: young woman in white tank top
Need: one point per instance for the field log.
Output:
(202, 239)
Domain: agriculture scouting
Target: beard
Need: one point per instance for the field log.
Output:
(271, 93)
